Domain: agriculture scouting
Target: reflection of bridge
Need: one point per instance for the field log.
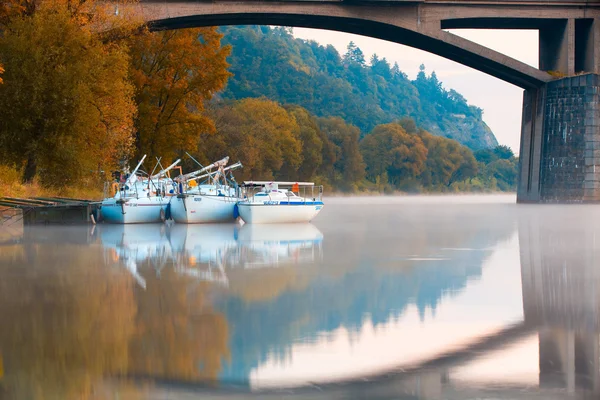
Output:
(562, 113)
(561, 284)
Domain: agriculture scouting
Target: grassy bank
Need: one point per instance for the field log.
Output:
(11, 186)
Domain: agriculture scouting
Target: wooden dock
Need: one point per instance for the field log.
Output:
(47, 210)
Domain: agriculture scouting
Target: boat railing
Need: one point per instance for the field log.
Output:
(111, 188)
(255, 188)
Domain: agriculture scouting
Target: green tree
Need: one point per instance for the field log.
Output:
(503, 152)
(354, 54)
(447, 162)
(505, 173)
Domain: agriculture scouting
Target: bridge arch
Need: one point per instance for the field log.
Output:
(401, 26)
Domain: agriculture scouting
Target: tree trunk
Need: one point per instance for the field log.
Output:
(30, 169)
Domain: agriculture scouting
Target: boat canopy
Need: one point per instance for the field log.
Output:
(272, 183)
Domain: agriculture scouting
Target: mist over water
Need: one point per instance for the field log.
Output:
(427, 297)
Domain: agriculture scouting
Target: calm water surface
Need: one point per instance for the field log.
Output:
(467, 297)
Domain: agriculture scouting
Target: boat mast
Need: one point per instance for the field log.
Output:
(164, 171)
(194, 174)
(132, 178)
(231, 167)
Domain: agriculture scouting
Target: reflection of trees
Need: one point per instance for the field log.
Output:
(178, 336)
(69, 322)
(369, 272)
(66, 322)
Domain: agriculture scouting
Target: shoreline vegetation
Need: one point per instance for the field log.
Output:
(31, 190)
(77, 103)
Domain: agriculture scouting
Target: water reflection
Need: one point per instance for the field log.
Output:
(430, 302)
(204, 251)
(561, 289)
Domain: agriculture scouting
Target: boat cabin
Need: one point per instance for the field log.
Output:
(281, 191)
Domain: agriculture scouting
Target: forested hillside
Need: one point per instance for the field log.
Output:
(287, 142)
(270, 62)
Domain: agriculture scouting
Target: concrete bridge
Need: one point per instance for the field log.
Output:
(560, 134)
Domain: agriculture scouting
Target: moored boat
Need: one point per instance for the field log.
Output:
(138, 199)
(208, 202)
(279, 202)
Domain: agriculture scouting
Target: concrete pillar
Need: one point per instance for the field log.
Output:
(557, 47)
(595, 46)
(532, 123)
(560, 142)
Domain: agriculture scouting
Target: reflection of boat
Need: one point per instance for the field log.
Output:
(265, 245)
(205, 251)
(139, 200)
(135, 244)
(201, 251)
(272, 204)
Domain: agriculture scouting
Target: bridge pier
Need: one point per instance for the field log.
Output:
(560, 142)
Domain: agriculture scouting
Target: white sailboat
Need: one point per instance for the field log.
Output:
(271, 202)
(138, 199)
(210, 202)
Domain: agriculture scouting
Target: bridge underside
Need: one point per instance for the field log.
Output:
(560, 135)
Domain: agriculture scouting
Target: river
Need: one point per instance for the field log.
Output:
(421, 297)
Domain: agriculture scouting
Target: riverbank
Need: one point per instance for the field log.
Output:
(11, 186)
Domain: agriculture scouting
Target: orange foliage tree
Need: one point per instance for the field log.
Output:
(66, 105)
(174, 73)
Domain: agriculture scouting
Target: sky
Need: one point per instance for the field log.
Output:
(501, 101)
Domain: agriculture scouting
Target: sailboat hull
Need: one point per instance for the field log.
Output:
(199, 209)
(134, 211)
(253, 213)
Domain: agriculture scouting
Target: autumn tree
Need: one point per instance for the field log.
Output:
(258, 132)
(391, 152)
(66, 105)
(174, 73)
(348, 166)
(312, 140)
